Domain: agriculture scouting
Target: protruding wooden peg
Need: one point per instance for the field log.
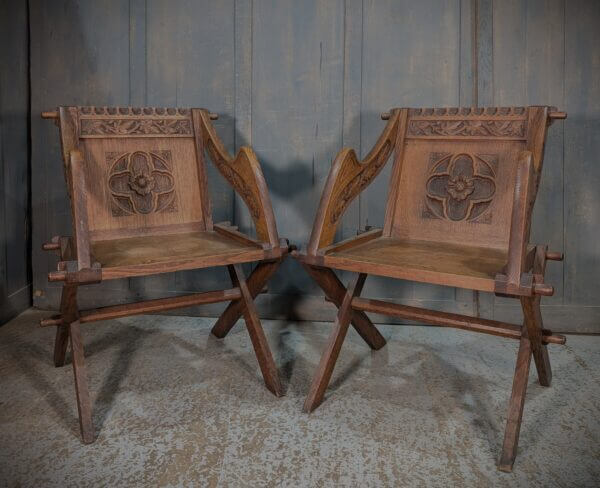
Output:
(558, 115)
(50, 115)
(54, 320)
(385, 116)
(51, 246)
(54, 276)
(543, 289)
(213, 116)
(554, 256)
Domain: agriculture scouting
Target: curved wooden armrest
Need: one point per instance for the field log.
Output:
(244, 174)
(347, 178)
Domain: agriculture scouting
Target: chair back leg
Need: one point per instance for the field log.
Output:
(256, 332)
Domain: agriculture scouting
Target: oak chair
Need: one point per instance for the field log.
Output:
(462, 189)
(137, 183)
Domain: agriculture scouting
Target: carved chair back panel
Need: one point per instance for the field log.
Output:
(142, 172)
(457, 176)
(137, 185)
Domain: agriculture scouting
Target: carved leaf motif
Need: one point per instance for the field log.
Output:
(482, 128)
(129, 127)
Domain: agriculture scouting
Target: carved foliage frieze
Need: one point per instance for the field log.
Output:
(135, 127)
(504, 128)
(141, 182)
(460, 187)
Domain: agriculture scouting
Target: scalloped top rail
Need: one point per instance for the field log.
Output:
(516, 111)
(468, 111)
(134, 111)
(100, 122)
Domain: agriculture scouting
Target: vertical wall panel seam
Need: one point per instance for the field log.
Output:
(564, 101)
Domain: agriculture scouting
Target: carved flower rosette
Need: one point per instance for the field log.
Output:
(141, 183)
(460, 187)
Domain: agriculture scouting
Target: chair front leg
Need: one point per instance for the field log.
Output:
(84, 405)
(256, 332)
(533, 322)
(336, 339)
(68, 311)
(515, 408)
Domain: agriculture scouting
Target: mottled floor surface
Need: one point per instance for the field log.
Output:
(174, 406)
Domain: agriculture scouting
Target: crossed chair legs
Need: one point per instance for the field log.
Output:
(69, 331)
(531, 344)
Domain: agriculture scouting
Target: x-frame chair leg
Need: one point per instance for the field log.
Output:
(68, 308)
(329, 357)
(515, 408)
(533, 322)
(335, 291)
(255, 330)
(70, 329)
(256, 281)
(84, 405)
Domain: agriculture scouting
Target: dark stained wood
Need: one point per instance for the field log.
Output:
(257, 335)
(458, 214)
(334, 345)
(515, 408)
(138, 187)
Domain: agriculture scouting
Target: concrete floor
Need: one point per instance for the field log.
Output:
(174, 406)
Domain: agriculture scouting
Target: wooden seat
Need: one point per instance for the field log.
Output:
(138, 188)
(429, 262)
(172, 252)
(458, 213)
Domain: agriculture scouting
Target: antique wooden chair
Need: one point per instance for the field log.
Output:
(137, 183)
(458, 213)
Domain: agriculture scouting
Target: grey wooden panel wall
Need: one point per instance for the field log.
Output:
(298, 80)
(15, 276)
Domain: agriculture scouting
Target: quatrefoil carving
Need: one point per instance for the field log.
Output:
(141, 182)
(460, 187)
